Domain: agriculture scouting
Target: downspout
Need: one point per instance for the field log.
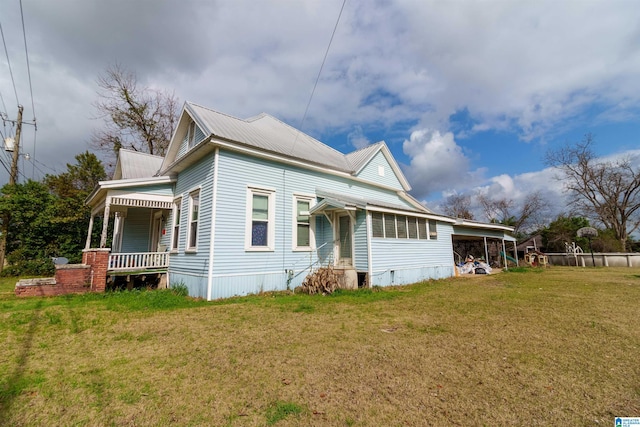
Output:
(369, 257)
(212, 239)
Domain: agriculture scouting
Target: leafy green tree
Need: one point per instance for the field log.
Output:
(563, 230)
(70, 215)
(49, 218)
(29, 231)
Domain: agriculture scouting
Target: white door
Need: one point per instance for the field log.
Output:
(345, 241)
(156, 232)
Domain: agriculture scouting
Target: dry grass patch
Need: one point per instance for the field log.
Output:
(527, 348)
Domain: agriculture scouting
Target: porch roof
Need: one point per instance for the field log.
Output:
(335, 201)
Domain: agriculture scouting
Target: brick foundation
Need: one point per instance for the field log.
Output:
(90, 276)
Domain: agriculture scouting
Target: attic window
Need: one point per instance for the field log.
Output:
(191, 133)
(381, 170)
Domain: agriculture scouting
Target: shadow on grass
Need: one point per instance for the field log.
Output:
(17, 381)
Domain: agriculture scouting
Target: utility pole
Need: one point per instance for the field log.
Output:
(13, 178)
(16, 151)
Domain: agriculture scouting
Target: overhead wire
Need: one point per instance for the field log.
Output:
(33, 107)
(4, 42)
(326, 53)
(315, 85)
(26, 52)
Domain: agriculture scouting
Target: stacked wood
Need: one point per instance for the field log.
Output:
(322, 281)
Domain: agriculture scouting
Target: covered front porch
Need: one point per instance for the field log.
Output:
(133, 227)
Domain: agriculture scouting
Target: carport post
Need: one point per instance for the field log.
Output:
(486, 251)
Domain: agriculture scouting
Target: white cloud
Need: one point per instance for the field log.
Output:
(526, 67)
(437, 162)
(357, 138)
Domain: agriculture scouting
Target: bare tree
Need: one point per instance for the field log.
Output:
(521, 216)
(458, 206)
(607, 191)
(137, 118)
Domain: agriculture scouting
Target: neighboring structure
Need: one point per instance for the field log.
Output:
(242, 206)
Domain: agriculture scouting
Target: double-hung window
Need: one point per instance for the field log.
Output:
(303, 233)
(260, 229)
(194, 208)
(177, 211)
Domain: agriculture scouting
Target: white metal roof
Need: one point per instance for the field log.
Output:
(135, 165)
(268, 133)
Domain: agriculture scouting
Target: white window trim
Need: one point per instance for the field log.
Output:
(271, 219)
(294, 224)
(176, 202)
(189, 246)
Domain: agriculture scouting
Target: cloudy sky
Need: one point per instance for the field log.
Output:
(466, 94)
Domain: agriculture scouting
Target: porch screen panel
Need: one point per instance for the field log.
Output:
(413, 227)
(422, 228)
(377, 224)
(345, 237)
(401, 220)
(389, 226)
(433, 232)
(260, 220)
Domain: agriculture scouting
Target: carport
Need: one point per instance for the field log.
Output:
(492, 242)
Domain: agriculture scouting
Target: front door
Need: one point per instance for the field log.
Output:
(345, 241)
(156, 232)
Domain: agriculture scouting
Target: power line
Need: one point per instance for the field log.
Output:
(26, 53)
(9, 64)
(322, 65)
(4, 107)
(33, 107)
(326, 53)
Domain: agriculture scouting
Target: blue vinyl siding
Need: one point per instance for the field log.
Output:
(237, 271)
(410, 260)
(136, 230)
(158, 190)
(361, 262)
(370, 172)
(184, 145)
(232, 262)
(187, 267)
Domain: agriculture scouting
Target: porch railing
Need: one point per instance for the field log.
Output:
(138, 261)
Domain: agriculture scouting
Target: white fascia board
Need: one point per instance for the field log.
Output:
(394, 165)
(134, 182)
(104, 186)
(373, 208)
(465, 223)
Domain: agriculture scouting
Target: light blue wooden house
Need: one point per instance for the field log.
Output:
(243, 206)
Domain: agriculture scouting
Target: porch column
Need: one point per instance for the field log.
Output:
(105, 223)
(88, 244)
(504, 254)
(515, 253)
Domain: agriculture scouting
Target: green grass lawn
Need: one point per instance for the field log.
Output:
(553, 347)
